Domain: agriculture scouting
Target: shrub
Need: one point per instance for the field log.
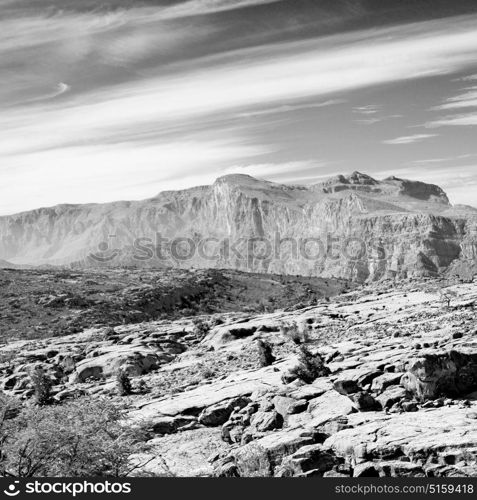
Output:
(83, 438)
(293, 333)
(42, 387)
(9, 407)
(201, 328)
(265, 354)
(310, 366)
(446, 296)
(123, 383)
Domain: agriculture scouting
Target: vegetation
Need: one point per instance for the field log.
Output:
(83, 438)
(446, 296)
(123, 383)
(292, 332)
(42, 387)
(310, 367)
(201, 328)
(265, 353)
(41, 303)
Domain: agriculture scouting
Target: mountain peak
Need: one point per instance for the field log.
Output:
(419, 190)
(236, 179)
(360, 178)
(391, 186)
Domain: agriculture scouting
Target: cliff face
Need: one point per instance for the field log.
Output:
(352, 227)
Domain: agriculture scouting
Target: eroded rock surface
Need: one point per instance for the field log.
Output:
(399, 397)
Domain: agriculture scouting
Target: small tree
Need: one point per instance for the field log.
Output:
(265, 354)
(447, 296)
(123, 383)
(310, 366)
(86, 437)
(42, 387)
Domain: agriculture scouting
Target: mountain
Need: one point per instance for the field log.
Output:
(348, 226)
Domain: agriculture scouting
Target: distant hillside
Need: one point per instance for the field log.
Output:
(43, 303)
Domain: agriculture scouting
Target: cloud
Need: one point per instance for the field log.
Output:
(102, 173)
(409, 139)
(464, 100)
(102, 133)
(286, 172)
(462, 120)
(248, 78)
(370, 109)
(202, 7)
(289, 108)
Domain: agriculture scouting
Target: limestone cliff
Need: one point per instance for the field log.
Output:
(349, 226)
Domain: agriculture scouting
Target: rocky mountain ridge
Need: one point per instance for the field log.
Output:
(353, 227)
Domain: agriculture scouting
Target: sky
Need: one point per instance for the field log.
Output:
(121, 99)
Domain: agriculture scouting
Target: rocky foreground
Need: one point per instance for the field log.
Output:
(399, 397)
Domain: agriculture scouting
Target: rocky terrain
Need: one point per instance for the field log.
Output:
(396, 394)
(48, 302)
(360, 228)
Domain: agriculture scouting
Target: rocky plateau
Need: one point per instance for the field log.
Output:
(397, 396)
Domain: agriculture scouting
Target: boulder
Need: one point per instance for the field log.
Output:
(260, 457)
(219, 413)
(170, 425)
(282, 405)
(365, 402)
(432, 375)
(391, 396)
(386, 380)
(309, 460)
(266, 421)
(133, 362)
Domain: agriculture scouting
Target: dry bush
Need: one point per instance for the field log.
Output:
(86, 437)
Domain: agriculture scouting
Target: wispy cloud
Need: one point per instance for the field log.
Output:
(261, 76)
(409, 139)
(465, 100)
(286, 172)
(202, 7)
(120, 114)
(464, 104)
(461, 120)
(369, 109)
(290, 108)
(101, 173)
